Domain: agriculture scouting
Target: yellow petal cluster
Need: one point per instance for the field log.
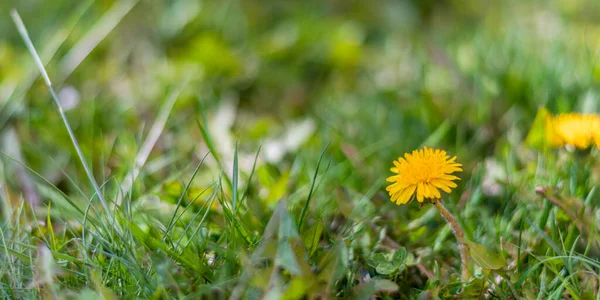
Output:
(423, 172)
(574, 129)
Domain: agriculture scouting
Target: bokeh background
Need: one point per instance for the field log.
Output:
(383, 75)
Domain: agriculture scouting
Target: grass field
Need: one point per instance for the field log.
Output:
(240, 149)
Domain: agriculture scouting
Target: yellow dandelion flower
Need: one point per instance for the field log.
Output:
(578, 130)
(424, 172)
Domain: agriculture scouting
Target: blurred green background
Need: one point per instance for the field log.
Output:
(384, 73)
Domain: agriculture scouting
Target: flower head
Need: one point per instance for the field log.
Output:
(579, 130)
(424, 172)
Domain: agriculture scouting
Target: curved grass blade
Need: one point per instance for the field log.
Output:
(211, 147)
(25, 36)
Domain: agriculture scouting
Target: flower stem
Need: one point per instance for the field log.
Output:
(460, 236)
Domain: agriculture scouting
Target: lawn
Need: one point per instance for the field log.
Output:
(235, 149)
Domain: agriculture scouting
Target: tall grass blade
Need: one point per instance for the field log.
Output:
(234, 175)
(25, 36)
(49, 50)
(312, 189)
(245, 193)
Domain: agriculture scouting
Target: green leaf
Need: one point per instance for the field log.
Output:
(484, 257)
(278, 189)
(376, 259)
(296, 290)
(386, 268)
(388, 263)
(536, 137)
(399, 256)
(312, 236)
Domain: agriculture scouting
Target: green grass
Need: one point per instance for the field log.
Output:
(239, 150)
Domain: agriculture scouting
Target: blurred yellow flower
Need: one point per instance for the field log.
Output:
(578, 130)
(424, 172)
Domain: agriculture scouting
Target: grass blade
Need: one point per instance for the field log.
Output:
(251, 175)
(211, 147)
(183, 193)
(50, 48)
(234, 175)
(312, 188)
(25, 36)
